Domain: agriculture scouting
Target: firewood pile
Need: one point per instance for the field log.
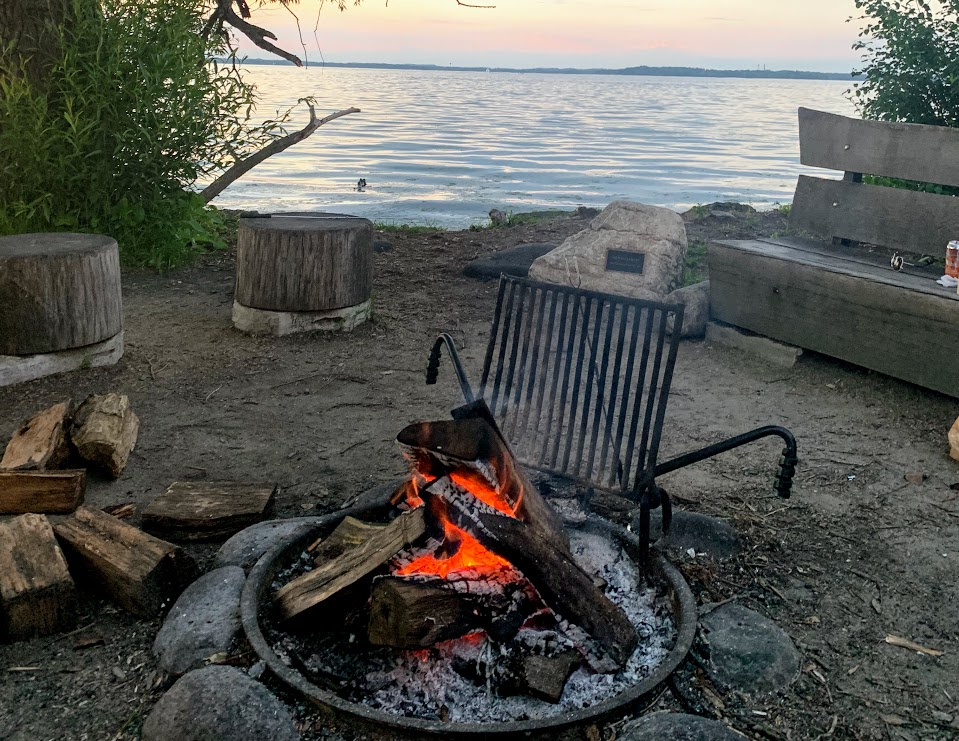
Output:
(44, 472)
(476, 550)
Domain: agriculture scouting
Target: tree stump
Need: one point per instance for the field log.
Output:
(60, 305)
(299, 273)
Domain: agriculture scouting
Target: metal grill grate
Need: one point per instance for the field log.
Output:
(578, 381)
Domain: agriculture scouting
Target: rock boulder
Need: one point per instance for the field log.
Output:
(584, 259)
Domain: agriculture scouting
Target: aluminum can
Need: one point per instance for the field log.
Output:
(952, 259)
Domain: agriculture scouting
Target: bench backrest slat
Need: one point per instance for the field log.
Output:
(929, 154)
(891, 217)
(578, 380)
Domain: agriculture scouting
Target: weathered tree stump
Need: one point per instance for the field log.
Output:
(60, 305)
(299, 273)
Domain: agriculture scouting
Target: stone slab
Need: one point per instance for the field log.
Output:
(761, 347)
(511, 261)
(748, 652)
(679, 727)
(205, 620)
(219, 703)
(280, 323)
(20, 368)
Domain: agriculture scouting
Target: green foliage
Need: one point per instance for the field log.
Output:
(700, 211)
(910, 61)
(695, 269)
(132, 115)
(783, 208)
(393, 228)
(942, 190)
(526, 218)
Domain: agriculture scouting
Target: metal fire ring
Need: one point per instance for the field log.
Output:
(256, 593)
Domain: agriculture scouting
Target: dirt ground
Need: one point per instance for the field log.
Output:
(858, 554)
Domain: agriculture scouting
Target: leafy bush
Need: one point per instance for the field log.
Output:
(134, 112)
(910, 61)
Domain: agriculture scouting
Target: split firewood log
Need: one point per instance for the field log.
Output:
(46, 492)
(37, 594)
(105, 432)
(311, 589)
(41, 442)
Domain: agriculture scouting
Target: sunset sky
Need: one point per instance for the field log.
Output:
(780, 34)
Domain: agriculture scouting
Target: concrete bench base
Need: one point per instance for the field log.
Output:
(20, 368)
(279, 323)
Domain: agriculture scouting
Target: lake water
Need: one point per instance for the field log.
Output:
(443, 148)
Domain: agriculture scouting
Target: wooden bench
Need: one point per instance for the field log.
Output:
(838, 294)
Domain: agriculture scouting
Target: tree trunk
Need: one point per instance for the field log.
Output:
(30, 28)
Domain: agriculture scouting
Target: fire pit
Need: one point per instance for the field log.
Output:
(475, 610)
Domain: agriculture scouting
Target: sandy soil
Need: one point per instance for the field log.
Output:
(859, 553)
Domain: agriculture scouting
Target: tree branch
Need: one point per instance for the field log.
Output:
(243, 166)
(255, 34)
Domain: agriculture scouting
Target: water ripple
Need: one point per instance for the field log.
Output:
(445, 147)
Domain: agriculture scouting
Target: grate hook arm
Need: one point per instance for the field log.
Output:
(433, 366)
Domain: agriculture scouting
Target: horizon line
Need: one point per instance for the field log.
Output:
(637, 70)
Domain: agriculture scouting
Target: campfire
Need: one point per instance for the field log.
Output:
(475, 584)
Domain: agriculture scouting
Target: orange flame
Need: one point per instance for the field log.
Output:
(470, 555)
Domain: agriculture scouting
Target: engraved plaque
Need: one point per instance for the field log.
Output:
(621, 261)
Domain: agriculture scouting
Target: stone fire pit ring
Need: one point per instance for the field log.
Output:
(256, 595)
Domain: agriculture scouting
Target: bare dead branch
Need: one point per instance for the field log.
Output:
(257, 35)
(243, 166)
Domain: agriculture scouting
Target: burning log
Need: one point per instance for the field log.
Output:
(411, 614)
(350, 533)
(476, 486)
(332, 576)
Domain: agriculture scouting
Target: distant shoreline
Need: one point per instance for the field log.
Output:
(758, 74)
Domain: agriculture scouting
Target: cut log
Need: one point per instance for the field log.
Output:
(463, 451)
(140, 573)
(324, 581)
(57, 292)
(41, 442)
(408, 614)
(37, 594)
(349, 534)
(954, 441)
(207, 510)
(46, 492)
(105, 432)
(295, 262)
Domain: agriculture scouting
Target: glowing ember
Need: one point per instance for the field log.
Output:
(469, 555)
(480, 488)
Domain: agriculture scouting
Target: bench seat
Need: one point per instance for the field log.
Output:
(846, 303)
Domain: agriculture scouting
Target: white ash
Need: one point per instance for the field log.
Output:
(426, 683)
